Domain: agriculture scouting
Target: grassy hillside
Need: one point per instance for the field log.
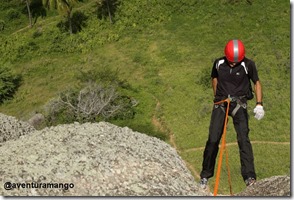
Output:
(165, 52)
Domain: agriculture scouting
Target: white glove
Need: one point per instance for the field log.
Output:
(259, 112)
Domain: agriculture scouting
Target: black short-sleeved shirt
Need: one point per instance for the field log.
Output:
(233, 81)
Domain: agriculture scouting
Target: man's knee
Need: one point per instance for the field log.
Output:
(212, 143)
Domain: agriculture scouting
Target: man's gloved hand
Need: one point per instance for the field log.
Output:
(259, 112)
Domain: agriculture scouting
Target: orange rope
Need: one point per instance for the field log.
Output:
(223, 148)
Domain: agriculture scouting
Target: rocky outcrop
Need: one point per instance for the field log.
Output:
(273, 186)
(11, 128)
(99, 159)
(95, 160)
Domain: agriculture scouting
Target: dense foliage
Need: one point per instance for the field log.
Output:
(9, 83)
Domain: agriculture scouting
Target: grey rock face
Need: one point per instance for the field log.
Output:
(98, 159)
(36, 120)
(273, 186)
(11, 128)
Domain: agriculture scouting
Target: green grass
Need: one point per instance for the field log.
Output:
(165, 59)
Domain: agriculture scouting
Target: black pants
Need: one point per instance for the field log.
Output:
(240, 121)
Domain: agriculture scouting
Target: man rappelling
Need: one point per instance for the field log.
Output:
(230, 78)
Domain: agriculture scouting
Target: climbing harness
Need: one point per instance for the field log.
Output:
(223, 147)
(239, 104)
(232, 99)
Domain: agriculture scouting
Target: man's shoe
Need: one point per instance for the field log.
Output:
(250, 181)
(203, 183)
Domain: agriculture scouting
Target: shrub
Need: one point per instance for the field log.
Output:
(12, 14)
(92, 103)
(2, 25)
(37, 34)
(25, 50)
(9, 83)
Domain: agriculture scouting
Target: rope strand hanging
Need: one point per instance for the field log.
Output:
(223, 148)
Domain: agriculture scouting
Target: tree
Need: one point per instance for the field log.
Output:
(106, 7)
(29, 12)
(63, 6)
(37, 9)
(78, 20)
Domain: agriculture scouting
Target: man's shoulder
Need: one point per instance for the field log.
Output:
(220, 59)
(248, 60)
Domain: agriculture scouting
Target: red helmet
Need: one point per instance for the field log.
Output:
(235, 51)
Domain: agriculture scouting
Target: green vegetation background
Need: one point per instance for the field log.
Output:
(165, 50)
